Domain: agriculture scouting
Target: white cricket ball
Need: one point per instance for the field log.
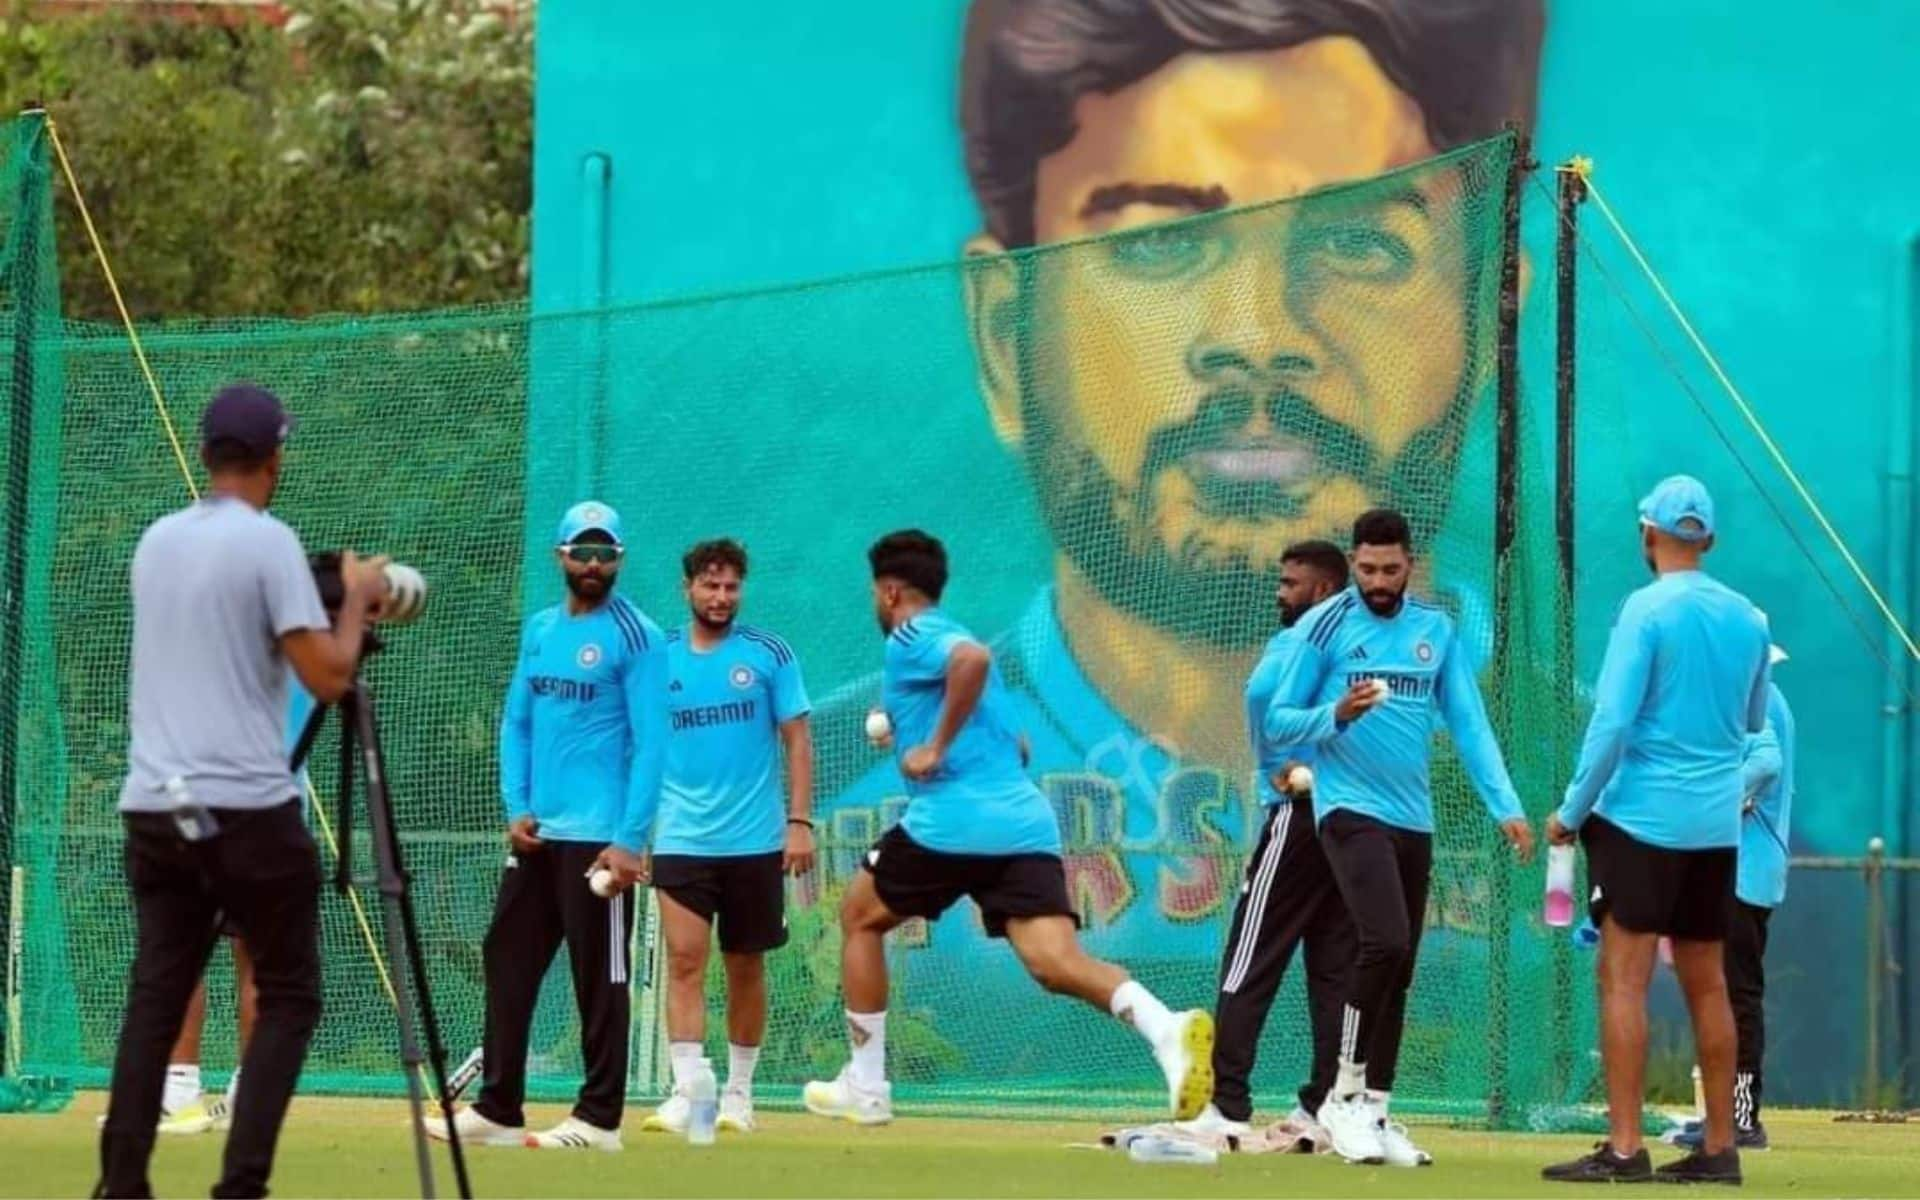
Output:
(601, 882)
(879, 728)
(1877, 846)
(1300, 780)
(1381, 691)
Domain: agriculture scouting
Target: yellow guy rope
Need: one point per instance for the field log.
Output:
(1583, 167)
(186, 473)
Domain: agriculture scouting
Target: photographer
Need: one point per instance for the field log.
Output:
(224, 607)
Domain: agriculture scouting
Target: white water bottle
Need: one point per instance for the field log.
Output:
(1559, 886)
(190, 816)
(703, 1105)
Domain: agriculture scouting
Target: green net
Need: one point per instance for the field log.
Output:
(1115, 438)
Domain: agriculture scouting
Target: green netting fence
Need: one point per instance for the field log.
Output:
(1116, 438)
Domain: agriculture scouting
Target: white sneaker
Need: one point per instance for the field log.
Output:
(1186, 1057)
(1354, 1129)
(1300, 1134)
(670, 1117)
(222, 1114)
(575, 1134)
(1211, 1124)
(736, 1112)
(476, 1130)
(842, 1098)
(1401, 1152)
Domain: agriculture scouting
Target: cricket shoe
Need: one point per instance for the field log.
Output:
(670, 1117)
(1353, 1127)
(475, 1130)
(191, 1118)
(222, 1114)
(575, 1134)
(1401, 1152)
(736, 1112)
(1186, 1057)
(1300, 1134)
(1211, 1124)
(842, 1098)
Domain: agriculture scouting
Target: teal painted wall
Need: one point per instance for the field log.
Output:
(1761, 151)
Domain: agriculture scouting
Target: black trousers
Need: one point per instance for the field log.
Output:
(1383, 872)
(544, 900)
(1746, 951)
(1288, 897)
(260, 874)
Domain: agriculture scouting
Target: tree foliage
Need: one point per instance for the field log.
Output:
(369, 155)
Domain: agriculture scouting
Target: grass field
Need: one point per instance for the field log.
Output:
(362, 1148)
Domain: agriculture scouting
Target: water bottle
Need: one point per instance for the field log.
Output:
(703, 1105)
(190, 817)
(1559, 886)
(1586, 936)
(1155, 1148)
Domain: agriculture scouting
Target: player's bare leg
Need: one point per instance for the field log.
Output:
(746, 1026)
(1700, 968)
(1049, 947)
(183, 1108)
(860, 1093)
(247, 1002)
(1626, 967)
(688, 936)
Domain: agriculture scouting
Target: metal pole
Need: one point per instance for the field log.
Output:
(1505, 505)
(29, 151)
(1876, 970)
(1572, 191)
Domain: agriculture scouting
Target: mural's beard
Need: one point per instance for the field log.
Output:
(1220, 594)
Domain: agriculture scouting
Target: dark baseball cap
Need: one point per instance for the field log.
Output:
(248, 414)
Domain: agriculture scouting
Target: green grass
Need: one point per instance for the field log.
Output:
(361, 1148)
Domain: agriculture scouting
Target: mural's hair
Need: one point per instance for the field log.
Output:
(1471, 66)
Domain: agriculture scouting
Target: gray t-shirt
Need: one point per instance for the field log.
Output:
(214, 588)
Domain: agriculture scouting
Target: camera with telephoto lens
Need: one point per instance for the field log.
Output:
(406, 596)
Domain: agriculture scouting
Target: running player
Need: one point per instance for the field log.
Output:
(975, 826)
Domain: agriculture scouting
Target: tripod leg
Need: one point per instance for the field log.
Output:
(403, 947)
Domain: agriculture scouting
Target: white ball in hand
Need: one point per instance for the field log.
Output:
(1300, 780)
(602, 883)
(1381, 691)
(879, 728)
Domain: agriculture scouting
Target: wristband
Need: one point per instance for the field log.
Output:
(800, 821)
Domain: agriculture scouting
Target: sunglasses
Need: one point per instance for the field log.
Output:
(592, 552)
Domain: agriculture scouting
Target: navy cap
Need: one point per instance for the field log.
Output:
(1680, 507)
(248, 414)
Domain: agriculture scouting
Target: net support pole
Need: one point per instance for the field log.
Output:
(23, 284)
(1572, 190)
(1505, 525)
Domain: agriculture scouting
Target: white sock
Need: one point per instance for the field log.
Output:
(867, 1032)
(233, 1088)
(1141, 1009)
(183, 1086)
(1351, 1081)
(684, 1057)
(1379, 1099)
(741, 1060)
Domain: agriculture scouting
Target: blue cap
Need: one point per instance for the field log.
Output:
(1680, 507)
(589, 515)
(248, 414)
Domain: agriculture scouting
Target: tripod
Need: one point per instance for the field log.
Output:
(360, 732)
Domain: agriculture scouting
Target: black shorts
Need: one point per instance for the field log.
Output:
(914, 881)
(1683, 894)
(745, 895)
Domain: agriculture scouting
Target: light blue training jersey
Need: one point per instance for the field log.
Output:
(1766, 780)
(1268, 755)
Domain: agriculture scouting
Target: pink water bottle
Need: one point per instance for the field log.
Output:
(1559, 908)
